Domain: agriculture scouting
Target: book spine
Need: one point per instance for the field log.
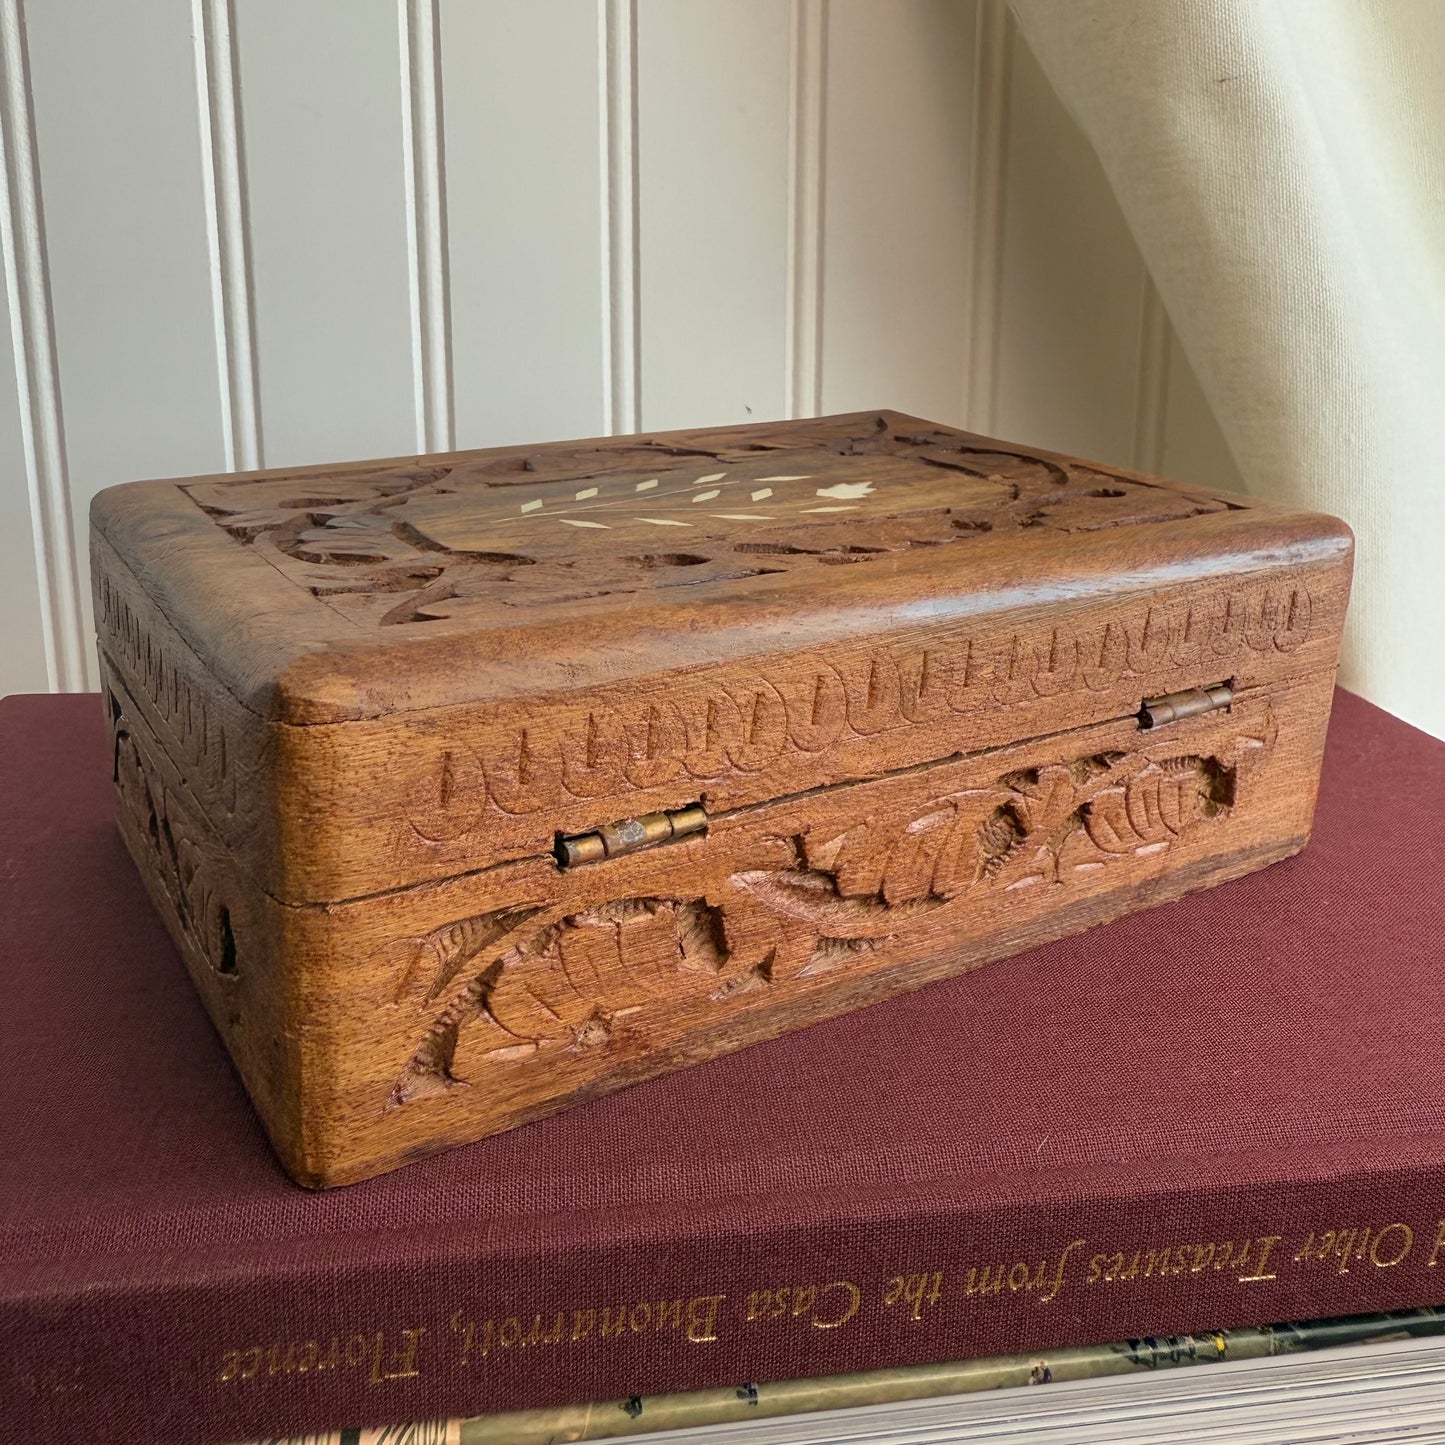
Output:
(430, 1330)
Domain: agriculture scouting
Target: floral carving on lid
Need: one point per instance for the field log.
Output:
(568, 523)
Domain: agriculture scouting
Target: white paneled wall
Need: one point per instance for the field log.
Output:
(712, 210)
(245, 232)
(896, 143)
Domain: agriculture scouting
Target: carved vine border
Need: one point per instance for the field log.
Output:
(347, 538)
(505, 986)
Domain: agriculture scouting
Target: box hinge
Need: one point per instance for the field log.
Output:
(630, 835)
(1156, 711)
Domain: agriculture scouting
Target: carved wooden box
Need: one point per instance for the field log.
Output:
(470, 786)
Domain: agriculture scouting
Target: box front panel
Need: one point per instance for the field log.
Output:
(439, 1014)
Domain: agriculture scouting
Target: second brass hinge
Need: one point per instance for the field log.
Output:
(1156, 711)
(630, 835)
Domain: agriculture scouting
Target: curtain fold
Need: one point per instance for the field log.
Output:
(1281, 164)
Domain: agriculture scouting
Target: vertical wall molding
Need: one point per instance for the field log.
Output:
(37, 375)
(1151, 382)
(993, 64)
(426, 230)
(223, 173)
(807, 101)
(621, 279)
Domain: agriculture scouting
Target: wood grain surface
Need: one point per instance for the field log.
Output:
(900, 668)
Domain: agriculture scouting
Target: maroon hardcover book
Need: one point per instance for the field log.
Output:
(1222, 1112)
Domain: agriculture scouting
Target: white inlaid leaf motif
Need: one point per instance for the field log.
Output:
(458, 535)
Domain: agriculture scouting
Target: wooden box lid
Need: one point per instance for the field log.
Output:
(530, 640)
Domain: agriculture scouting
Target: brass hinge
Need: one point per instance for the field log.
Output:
(1157, 711)
(630, 835)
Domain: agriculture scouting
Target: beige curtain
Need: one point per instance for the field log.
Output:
(1282, 166)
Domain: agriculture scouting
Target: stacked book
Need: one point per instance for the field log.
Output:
(1380, 1377)
(1173, 1131)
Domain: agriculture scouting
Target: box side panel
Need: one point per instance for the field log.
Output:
(428, 794)
(230, 934)
(442, 1013)
(218, 595)
(219, 753)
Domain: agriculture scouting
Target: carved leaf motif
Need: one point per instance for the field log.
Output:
(813, 897)
(499, 987)
(927, 856)
(429, 964)
(1154, 807)
(179, 860)
(1103, 807)
(568, 985)
(566, 524)
(1032, 827)
(866, 882)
